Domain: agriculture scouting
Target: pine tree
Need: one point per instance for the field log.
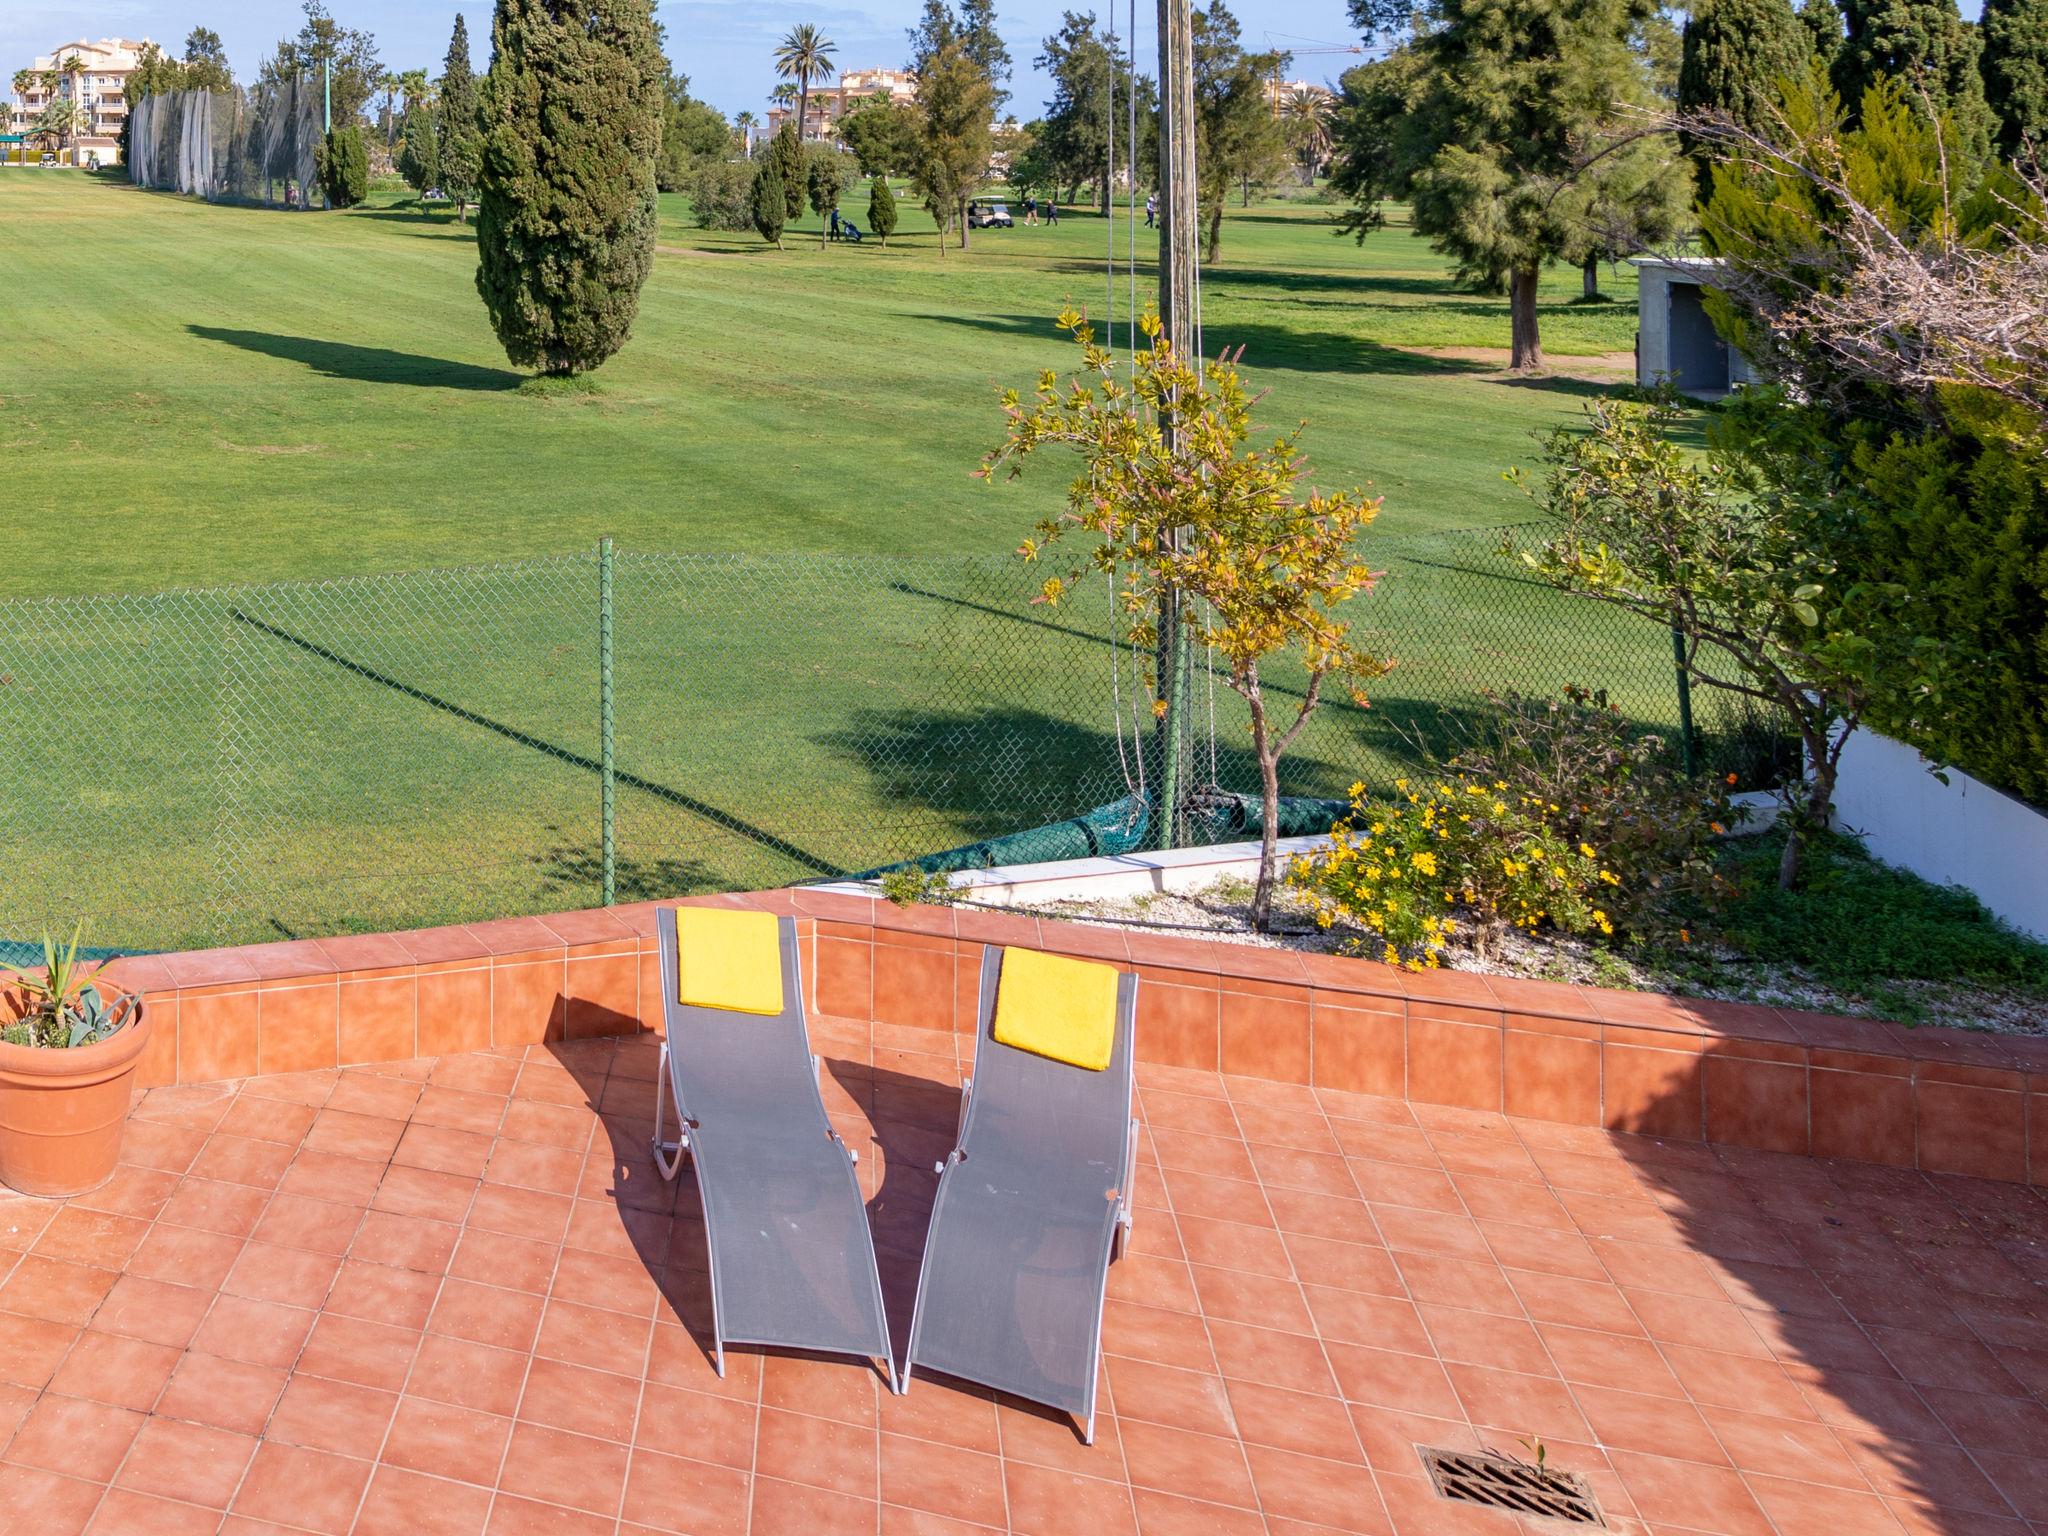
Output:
(419, 150)
(957, 102)
(1481, 122)
(1926, 44)
(985, 45)
(770, 201)
(1822, 20)
(882, 210)
(458, 124)
(566, 204)
(2015, 34)
(1735, 53)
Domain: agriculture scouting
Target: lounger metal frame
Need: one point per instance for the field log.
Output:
(1120, 1204)
(669, 1155)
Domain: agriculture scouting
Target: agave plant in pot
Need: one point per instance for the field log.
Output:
(69, 1044)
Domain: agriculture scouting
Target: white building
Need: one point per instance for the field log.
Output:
(97, 84)
(1674, 337)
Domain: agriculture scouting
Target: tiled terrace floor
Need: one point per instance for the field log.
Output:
(430, 1299)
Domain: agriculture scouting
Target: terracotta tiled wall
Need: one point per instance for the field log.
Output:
(1940, 1100)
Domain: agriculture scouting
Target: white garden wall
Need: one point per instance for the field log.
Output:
(1959, 833)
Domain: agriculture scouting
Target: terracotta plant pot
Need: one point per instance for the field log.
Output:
(62, 1111)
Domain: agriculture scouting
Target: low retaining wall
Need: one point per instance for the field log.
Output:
(1962, 833)
(899, 984)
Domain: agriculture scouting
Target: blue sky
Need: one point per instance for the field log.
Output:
(723, 45)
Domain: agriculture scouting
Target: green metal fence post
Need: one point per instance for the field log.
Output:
(607, 771)
(1173, 724)
(1688, 747)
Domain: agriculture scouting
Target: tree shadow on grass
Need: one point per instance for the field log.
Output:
(1267, 346)
(998, 770)
(368, 365)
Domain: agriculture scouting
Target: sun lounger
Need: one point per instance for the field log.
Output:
(792, 1261)
(1035, 1199)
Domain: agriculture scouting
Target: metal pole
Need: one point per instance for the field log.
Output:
(1688, 748)
(608, 808)
(1177, 313)
(327, 93)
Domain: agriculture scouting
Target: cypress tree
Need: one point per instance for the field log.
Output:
(1927, 45)
(787, 155)
(770, 204)
(1734, 53)
(344, 166)
(458, 124)
(1822, 20)
(2015, 34)
(566, 205)
(882, 210)
(419, 150)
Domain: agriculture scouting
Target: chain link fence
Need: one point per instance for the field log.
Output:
(237, 764)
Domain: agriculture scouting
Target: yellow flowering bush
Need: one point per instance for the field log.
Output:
(1438, 862)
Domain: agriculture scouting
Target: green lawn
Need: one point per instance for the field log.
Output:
(219, 394)
(839, 666)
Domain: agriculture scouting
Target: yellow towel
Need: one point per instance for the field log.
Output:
(727, 959)
(1052, 1006)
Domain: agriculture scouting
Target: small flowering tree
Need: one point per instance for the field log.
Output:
(1187, 520)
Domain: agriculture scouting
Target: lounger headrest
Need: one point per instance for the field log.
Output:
(727, 959)
(1059, 1008)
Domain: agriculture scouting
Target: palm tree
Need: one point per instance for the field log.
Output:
(803, 56)
(743, 125)
(23, 79)
(1307, 114)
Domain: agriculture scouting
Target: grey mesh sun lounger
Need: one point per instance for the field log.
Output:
(792, 1261)
(1033, 1203)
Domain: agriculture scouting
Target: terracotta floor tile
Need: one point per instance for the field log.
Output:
(556, 1467)
(1203, 1467)
(1865, 1344)
(1688, 1495)
(31, 1349)
(326, 1415)
(47, 1503)
(126, 1513)
(402, 1503)
(184, 1256)
(74, 1437)
(1045, 1502)
(443, 1440)
(1801, 1509)
(310, 1489)
(225, 1394)
(1325, 1493)
(255, 1332)
(354, 1350)
(107, 1368)
(587, 1402)
(189, 1462)
(155, 1311)
(55, 1290)
(291, 1276)
(1654, 1426)
(485, 1314)
(669, 1493)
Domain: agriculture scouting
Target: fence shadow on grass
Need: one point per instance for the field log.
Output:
(722, 819)
(367, 365)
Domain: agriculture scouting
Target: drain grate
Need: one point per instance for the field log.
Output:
(1501, 1483)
